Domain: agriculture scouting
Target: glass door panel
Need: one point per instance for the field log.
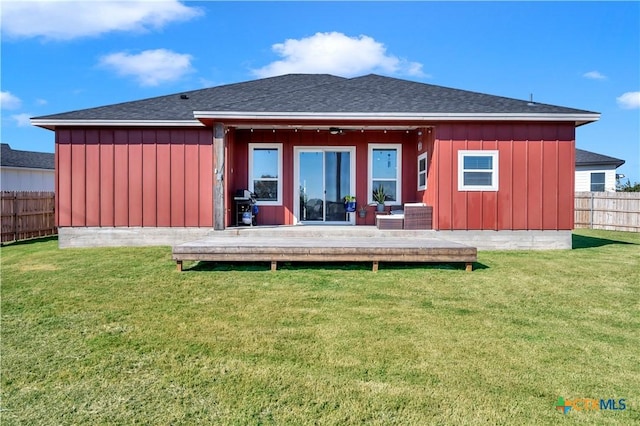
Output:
(325, 179)
(311, 186)
(337, 184)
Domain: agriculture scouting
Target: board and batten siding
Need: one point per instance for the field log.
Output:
(583, 178)
(128, 177)
(536, 177)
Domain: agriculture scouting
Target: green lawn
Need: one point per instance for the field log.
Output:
(117, 336)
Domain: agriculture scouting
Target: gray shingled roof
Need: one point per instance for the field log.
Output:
(588, 158)
(315, 93)
(28, 159)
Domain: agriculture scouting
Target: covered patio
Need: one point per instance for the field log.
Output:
(306, 243)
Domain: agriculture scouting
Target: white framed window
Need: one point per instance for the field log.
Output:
(422, 171)
(265, 173)
(385, 169)
(477, 170)
(597, 182)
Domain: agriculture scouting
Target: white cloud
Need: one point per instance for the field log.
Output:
(22, 119)
(41, 101)
(65, 20)
(9, 101)
(150, 67)
(629, 100)
(336, 53)
(594, 75)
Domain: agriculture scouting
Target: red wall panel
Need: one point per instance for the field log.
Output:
(177, 184)
(134, 177)
(566, 155)
(444, 199)
(534, 185)
(63, 178)
(149, 179)
(504, 204)
(550, 184)
(121, 179)
(191, 190)
(205, 179)
(107, 182)
(78, 194)
(519, 182)
(135, 181)
(93, 182)
(163, 187)
(536, 165)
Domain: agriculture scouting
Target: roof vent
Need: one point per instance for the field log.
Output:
(184, 96)
(531, 103)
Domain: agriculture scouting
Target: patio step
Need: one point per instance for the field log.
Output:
(322, 231)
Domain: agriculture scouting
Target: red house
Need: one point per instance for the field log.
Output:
(497, 172)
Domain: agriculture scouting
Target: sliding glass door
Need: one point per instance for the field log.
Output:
(324, 178)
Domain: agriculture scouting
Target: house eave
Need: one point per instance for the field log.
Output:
(229, 117)
(603, 164)
(204, 118)
(27, 169)
(51, 124)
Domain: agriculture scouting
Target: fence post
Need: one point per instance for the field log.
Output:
(15, 216)
(591, 212)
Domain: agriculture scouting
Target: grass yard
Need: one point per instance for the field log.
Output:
(117, 336)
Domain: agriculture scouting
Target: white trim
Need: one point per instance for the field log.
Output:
(494, 171)
(29, 169)
(225, 116)
(296, 179)
(426, 168)
(395, 116)
(52, 123)
(280, 180)
(398, 148)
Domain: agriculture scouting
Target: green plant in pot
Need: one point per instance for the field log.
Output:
(350, 203)
(380, 196)
(362, 212)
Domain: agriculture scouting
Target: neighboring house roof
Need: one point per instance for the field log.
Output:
(588, 158)
(317, 96)
(26, 159)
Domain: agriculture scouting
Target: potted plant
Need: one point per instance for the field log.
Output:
(380, 196)
(363, 210)
(350, 203)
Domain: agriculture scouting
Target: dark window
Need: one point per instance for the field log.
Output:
(597, 182)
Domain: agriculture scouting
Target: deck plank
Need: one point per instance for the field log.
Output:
(279, 248)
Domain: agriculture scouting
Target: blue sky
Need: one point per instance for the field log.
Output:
(63, 56)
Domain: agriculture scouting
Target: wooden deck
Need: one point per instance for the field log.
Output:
(324, 244)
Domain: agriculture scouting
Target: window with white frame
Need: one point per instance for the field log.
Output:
(385, 170)
(477, 170)
(597, 182)
(422, 172)
(265, 172)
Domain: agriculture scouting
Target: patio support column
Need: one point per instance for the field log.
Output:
(218, 178)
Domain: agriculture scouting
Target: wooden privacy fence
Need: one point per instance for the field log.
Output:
(27, 215)
(613, 211)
